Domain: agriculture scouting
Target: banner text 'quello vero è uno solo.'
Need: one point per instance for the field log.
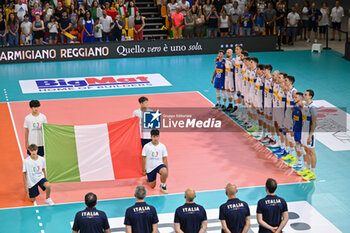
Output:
(126, 49)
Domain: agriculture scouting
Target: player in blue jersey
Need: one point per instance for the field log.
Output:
(297, 128)
(308, 135)
(218, 80)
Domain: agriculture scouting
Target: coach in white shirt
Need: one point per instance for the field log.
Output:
(337, 15)
(33, 124)
(154, 160)
(145, 134)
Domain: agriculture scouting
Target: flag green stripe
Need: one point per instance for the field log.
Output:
(61, 153)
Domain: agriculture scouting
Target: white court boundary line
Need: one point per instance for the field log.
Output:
(15, 129)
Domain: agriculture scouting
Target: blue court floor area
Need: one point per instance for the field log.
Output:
(320, 205)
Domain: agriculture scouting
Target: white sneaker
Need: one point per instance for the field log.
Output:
(163, 189)
(315, 41)
(49, 201)
(257, 134)
(297, 165)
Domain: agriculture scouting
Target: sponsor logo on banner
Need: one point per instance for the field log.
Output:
(332, 126)
(299, 221)
(92, 83)
(152, 120)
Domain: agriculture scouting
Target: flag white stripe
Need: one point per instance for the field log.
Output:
(94, 155)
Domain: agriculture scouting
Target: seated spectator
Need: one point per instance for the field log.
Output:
(10, 8)
(38, 29)
(98, 30)
(139, 24)
(190, 217)
(224, 24)
(234, 15)
(246, 22)
(65, 26)
(259, 22)
(98, 220)
(261, 5)
(26, 28)
(107, 25)
(31, 4)
(199, 24)
(141, 217)
(13, 26)
(177, 23)
(189, 25)
(36, 10)
(53, 30)
(213, 23)
(88, 27)
(116, 32)
(3, 31)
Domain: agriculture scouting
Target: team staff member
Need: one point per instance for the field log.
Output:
(154, 160)
(91, 220)
(144, 133)
(33, 124)
(272, 210)
(141, 217)
(190, 217)
(234, 214)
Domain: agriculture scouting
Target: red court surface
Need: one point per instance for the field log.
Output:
(201, 160)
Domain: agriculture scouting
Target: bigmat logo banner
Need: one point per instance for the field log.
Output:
(92, 83)
(126, 49)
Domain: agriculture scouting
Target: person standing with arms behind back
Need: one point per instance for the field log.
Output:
(154, 160)
(190, 217)
(91, 220)
(234, 214)
(33, 127)
(272, 210)
(141, 217)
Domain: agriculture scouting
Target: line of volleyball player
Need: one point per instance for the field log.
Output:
(269, 107)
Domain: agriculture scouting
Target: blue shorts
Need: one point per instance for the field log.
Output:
(40, 151)
(145, 141)
(34, 191)
(297, 136)
(219, 84)
(153, 174)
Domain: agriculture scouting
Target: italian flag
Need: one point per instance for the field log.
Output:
(93, 152)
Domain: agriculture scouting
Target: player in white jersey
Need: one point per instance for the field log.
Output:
(274, 130)
(246, 75)
(309, 112)
(242, 115)
(238, 80)
(266, 138)
(229, 78)
(288, 120)
(253, 124)
(280, 112)
(259, 99)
